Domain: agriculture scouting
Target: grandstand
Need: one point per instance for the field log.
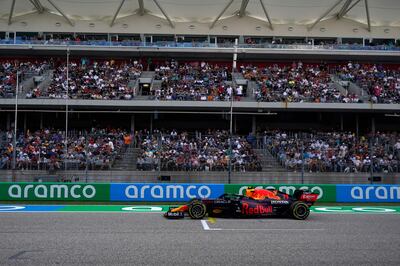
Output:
(200, 91)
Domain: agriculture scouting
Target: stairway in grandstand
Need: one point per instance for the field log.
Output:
(362, 94)
(238, 80)
(237, 75)
(147, 77)
(268, 162)
(352, 88)
(251, 87)
(147, 74)
(128, 161)
(338, 85)
(28, 83)
(156, 85)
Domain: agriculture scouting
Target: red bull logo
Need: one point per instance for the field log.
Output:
(258, 209)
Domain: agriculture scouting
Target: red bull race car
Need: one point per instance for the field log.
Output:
(256, 203)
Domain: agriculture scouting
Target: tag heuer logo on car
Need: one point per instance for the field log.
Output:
(279, 202)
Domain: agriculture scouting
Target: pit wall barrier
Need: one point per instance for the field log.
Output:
(169, 192)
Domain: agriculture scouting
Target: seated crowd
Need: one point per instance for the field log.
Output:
(45, 149)
(297, 82)
(181, 151)
(335, 151)
(8, 73)
(195, 81)
(205, 81)
(97, 80)
(381, 82)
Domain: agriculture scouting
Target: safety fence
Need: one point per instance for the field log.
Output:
(18, 41)
(143, 192)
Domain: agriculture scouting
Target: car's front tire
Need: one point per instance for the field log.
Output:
(197, 210)
(299, 210)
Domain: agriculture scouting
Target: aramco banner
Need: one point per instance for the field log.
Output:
(368, 193)
(54, 192)
(164, 192)
(170, 192)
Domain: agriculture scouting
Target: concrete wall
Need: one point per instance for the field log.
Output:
(197, 177)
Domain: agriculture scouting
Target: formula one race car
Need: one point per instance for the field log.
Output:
(273, 203)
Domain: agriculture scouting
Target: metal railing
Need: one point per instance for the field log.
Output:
(173, 44)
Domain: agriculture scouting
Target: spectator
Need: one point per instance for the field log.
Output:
(200, 152)
(334, 151)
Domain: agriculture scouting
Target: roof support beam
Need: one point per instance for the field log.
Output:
(266, 15)
(164, 13)
(324, 15)
(11, 12)
(368, 19)
(40, 8)
(221, 13)
(34, 4)
(358, 1)
(116, 13)
(61, 12)
(242, 11)
(141, 7)
(343, 9)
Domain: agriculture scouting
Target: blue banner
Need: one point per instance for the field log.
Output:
(164, 192)
(367, 193)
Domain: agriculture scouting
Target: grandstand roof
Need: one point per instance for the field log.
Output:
(272, 12)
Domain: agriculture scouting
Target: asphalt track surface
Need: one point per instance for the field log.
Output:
(149, 239)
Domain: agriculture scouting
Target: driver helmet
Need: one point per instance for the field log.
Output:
(249, 191)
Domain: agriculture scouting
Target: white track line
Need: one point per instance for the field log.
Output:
(264, 229)
(206, 227)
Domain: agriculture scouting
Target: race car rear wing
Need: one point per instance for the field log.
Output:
(309, 197)
(305, 196)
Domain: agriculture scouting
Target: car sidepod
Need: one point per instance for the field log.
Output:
(222, 208)
(264, 208)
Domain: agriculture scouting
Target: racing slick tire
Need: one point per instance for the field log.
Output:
(299, 210)
(194, 201)
(197, 210)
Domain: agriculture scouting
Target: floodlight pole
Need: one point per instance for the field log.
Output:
(302, 162)
(371, 151)
(160, 148)
(14, 162)
(66, 114)
(86, 155)
(231, 113)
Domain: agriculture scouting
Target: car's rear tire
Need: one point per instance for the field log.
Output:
(194, 201)
(299, 210)
(197, 210)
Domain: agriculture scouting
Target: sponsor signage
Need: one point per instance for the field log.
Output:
(326, 193)
(163, 208)
(184, 192)
(250, 208)
(368, 193)
(353, 209)
(54, 192)
(164, 192)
